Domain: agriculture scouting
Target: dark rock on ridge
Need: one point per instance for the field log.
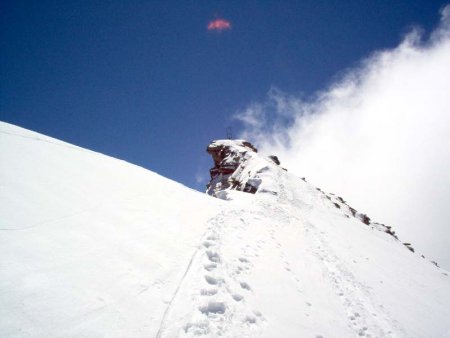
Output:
(229, 156)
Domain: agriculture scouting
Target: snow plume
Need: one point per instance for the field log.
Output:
(380, 136)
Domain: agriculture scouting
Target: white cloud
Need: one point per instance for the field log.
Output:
(380, 137)
(201, 178)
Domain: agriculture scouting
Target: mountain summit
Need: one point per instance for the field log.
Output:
(92, 246)
(237, 167)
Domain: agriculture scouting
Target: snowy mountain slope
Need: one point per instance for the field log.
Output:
(91, 246)
(289, 262)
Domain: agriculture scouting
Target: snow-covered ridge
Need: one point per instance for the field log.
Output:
(238, 166)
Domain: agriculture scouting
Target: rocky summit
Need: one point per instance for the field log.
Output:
(237, 166)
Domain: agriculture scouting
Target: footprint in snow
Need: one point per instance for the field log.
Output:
(197, 329)
(208, 244)
(237, 297)
(210, 267)
(208, 292)
(245, 286)
(213, 256)
(212, 280)
(249, 319)
(213, 307)
(245, 261)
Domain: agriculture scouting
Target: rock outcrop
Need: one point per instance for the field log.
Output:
(237, 166)
(228, 157)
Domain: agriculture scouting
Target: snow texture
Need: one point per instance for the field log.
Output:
(92, 246)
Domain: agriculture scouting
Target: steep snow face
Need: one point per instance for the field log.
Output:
(91, 246)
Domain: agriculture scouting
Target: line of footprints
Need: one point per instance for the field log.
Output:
(221, 302)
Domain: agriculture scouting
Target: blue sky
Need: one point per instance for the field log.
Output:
(145, 81)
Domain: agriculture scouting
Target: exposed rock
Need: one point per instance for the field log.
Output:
(228, 156)
(237, 166)
(348, 211)
(275, 159)
(364, 218)
(408, 245)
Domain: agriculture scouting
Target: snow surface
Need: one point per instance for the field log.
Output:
(91, 246)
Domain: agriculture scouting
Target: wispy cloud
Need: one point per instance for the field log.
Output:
(380, 136)
(201, 178)
(219, 25)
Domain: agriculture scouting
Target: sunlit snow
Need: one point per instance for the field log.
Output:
(92, 246)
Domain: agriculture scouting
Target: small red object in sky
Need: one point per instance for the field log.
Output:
(219, 25)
